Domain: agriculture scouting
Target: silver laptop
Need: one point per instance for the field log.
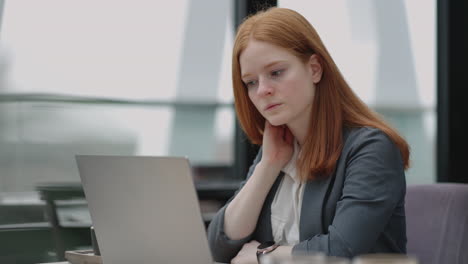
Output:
(144, 209)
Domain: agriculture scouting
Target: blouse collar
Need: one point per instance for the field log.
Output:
(290, 168)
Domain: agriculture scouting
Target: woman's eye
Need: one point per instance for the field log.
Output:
(251, 84)
(276, 73)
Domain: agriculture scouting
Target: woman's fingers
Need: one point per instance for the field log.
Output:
(279, 133)
(288, 136)
(274, 131)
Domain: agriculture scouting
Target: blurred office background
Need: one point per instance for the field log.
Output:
(154, 78)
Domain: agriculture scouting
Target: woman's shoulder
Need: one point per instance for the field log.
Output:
(362, 134)
(358, 139)
(369, 155)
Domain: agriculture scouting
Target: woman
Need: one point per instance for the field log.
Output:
(330, 174)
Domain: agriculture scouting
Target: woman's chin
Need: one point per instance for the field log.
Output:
(276, 122)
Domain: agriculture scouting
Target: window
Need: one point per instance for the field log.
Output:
(107, 77)
(386, 52)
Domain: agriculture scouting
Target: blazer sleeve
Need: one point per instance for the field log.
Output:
(373, 186)
(222, 248)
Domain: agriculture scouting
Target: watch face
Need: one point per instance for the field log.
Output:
(266, 244)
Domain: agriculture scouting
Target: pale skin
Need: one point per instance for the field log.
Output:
(282, 88)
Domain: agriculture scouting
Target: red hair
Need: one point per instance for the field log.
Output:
(335, 105)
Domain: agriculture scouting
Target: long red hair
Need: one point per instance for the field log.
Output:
(335, 105)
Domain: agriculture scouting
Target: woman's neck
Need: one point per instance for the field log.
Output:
(299, 132)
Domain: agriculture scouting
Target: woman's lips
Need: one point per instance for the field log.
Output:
(271, 107)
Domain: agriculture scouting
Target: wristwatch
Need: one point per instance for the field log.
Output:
(265, 248)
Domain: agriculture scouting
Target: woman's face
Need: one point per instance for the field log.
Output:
(279, 84)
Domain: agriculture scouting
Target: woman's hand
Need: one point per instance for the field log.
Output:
(277, 146)
(248, 254)
(241, 216)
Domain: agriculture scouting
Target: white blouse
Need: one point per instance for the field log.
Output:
(286, 206)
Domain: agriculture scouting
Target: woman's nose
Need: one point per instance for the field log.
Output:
(264, 88)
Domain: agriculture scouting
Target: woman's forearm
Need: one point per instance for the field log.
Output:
(242, 213)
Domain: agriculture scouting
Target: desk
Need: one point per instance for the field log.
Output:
(50, 193)
(66, 262)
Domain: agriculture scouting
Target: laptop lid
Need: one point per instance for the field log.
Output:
(144, 209)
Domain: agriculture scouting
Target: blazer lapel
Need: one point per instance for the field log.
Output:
(311, 212)
(313, 200)
(310, 223)
(264, 231)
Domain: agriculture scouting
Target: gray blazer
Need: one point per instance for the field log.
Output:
(358, 209)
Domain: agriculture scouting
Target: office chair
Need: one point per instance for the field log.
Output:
(437, 222)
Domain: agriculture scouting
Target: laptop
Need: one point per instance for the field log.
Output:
(144, 209)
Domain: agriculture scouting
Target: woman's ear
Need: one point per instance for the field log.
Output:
(316, 68)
